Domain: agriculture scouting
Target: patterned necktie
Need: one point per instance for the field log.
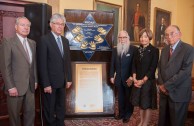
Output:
(60, 45)
(171, 51)
(26, 50)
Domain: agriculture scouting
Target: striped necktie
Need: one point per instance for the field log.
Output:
(60, 45)
(26, 50)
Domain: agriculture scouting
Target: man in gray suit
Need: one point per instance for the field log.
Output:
(174, 79)
(18, 67)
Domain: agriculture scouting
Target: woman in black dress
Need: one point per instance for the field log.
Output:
(144, 92)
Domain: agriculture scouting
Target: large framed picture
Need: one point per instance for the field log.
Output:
(118, 20)
(162, 19)
(137, 17)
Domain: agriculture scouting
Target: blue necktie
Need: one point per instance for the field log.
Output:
(60, 45)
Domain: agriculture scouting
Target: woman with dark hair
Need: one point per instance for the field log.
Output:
(144, 92)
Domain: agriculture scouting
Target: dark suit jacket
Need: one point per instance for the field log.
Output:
(122, 67)
(175, 74)
(148, 64)
(16, 70)
(53, 69)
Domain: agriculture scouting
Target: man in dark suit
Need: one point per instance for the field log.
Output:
(121, 64)
(54, 70)
(18, 67)
(174, 79)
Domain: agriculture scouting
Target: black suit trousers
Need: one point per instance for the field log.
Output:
(172, 113)
(54, 107)
(125, 106)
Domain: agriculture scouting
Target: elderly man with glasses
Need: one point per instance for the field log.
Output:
(174, 79)
(121, 74)
(54, 70)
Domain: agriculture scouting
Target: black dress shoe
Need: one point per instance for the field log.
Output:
(125, 120)
(118, 117)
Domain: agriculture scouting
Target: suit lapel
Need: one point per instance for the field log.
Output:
(175, 53)
(166, 55)
(54, 44)
(32, 49)
(64, 46)
(21, 48)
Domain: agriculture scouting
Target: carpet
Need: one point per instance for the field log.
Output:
(134, 120)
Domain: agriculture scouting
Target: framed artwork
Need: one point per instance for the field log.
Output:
(137, 17)
(104, 6)
(162, 19)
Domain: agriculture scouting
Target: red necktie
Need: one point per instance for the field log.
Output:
(170, 53)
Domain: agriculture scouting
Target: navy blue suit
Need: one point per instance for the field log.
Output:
(122, 66)
(54, 70)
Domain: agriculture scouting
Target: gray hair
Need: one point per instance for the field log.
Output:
(18, 18)
(57, 16)
(125, 33)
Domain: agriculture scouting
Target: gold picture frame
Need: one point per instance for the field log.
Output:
(118, 17)
(162, 19)
(130, 8)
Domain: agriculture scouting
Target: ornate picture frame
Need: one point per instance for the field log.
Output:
(137, 17)
(105, 6)
(162, 19)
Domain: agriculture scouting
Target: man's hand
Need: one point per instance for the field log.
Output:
(48, 90)
(68, 84)
(36, 86)
(129, 81)
(163, 89)
(13, 92)
(112, 80)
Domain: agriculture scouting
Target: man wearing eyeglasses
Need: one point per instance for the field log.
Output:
(54, 70)
(18, 67)
(120, 74)
(174, 79)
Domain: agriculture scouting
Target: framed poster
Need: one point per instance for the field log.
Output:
(89, 94)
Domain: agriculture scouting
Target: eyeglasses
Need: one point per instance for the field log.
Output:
(171, 34)
(122, 37)
(58, 24)
(24, 25)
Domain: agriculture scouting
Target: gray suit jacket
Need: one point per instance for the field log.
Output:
(175, 73)
(16, 70)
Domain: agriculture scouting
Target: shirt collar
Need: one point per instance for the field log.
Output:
(175, 45)
(21, 38)
(56, 35)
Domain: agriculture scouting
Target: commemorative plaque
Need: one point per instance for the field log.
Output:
(89, 97)
(90, 35)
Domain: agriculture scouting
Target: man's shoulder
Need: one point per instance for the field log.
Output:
(64, 39)
(186, 45)
(133, 47)
(9, 39)
(31, 40)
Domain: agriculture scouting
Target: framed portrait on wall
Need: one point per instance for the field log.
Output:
(137, 17)
(162, 19)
